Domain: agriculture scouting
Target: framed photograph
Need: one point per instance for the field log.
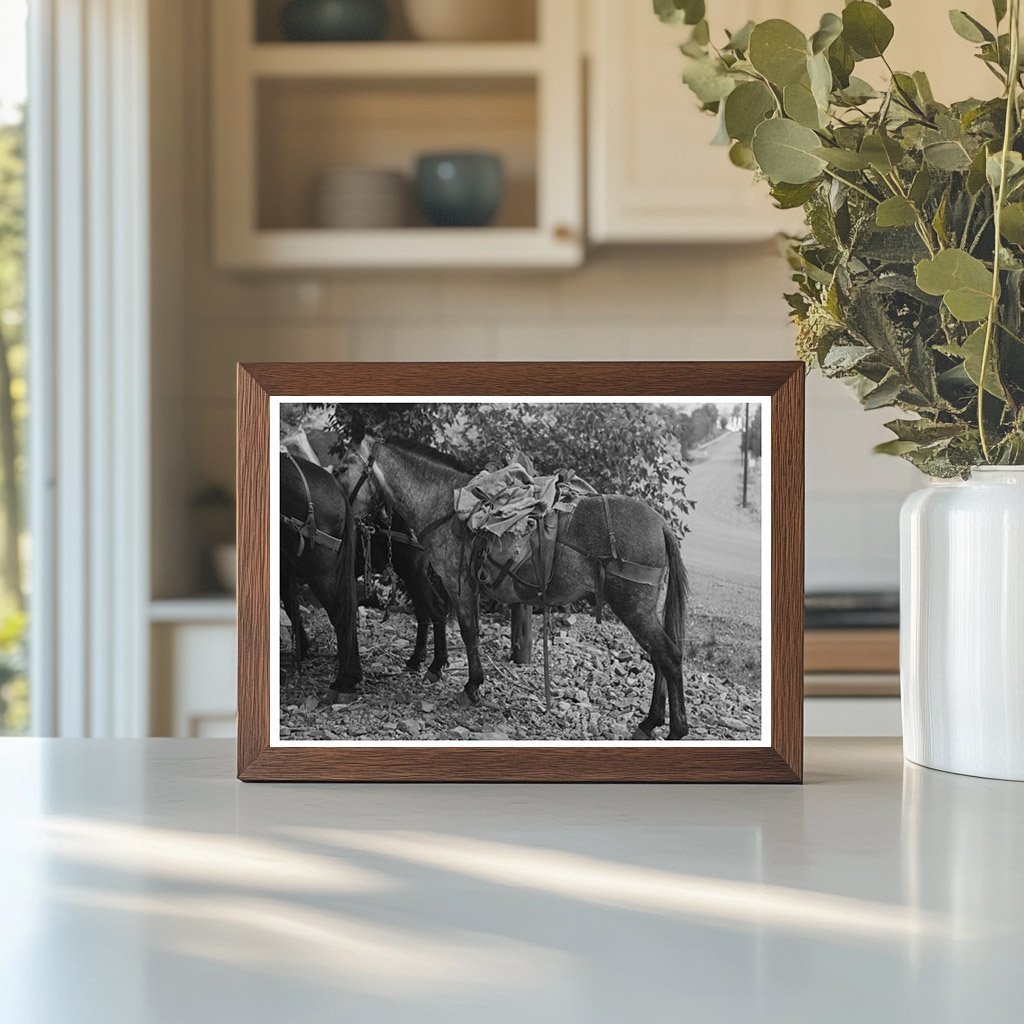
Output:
(514, 572)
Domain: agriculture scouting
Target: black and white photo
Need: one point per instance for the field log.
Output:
(534, 571)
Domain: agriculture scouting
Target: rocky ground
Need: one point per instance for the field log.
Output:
(601, 685)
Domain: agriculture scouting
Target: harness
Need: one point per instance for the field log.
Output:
(306, 529)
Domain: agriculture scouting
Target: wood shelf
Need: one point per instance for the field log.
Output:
(310, 248)
(393, 60)
(861, 651)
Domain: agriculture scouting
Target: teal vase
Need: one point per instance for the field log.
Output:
(332, 21)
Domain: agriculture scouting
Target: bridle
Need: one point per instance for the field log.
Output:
(367, 474)
(367, 477)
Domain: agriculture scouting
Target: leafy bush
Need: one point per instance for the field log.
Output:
(620, 449)
(911, 277)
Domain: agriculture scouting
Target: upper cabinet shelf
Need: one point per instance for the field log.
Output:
(394, 60)
(315, 144)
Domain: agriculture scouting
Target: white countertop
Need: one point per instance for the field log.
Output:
(141, 885)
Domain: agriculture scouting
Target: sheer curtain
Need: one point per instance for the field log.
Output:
(88, 300)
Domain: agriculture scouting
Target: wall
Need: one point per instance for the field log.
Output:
(665, 303)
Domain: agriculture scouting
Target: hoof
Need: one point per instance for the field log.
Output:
(341, 697)
(678, 735)
(641, 734)
(412, 665)
(464, 700)
(432, 676)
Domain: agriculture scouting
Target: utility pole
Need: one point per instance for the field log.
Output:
(746, 449)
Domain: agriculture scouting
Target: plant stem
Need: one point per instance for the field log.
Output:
(856, 188)
(993, 309)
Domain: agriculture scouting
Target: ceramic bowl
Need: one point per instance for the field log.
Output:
(334, 20)
(359, 197)
(460, 189)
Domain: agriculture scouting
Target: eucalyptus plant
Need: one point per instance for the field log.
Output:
(910, 278)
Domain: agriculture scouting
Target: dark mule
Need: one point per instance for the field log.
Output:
(391, 542)
(419, 483)
(318, 547)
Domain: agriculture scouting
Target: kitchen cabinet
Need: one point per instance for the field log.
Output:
(653, 175)
(286, 113)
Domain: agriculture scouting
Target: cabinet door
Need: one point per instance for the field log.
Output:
(654, 175)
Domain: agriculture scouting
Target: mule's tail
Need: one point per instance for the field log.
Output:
(678, 590)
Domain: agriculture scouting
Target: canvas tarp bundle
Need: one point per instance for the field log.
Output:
(512, 499)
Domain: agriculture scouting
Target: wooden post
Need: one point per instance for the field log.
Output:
(522, 634)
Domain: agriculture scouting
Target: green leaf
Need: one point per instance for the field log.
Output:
(896, 212)
(939, 220)
(800, 105)
(820, 76)
(841, 60)
(830, 29)
(1014, 169)
(708, 80)
(746, 107)
(999, 7)
(866, 29)
(976, 174)
(963, 281)
(924, 87)
(896, 447)
(923, 431)
(778, 50)
(971, 352)
(844, 159)
(1012, 226)
(969, 28)
(741, 155)
(739, 41)
(789, 197)
(947, 156)
(883, 153)
(676, 12)
(885, 394)
(785, 152)
(921, 185)
(857, 91)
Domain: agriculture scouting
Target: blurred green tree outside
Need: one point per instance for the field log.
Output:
(14, 707)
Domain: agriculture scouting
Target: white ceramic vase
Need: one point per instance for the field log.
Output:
(962, 624)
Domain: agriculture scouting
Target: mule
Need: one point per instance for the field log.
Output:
(419, 483)
(390, 543)
(318, 547)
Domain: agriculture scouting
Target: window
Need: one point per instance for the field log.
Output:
(14, 705)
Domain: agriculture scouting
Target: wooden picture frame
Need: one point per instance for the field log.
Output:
(778, 758)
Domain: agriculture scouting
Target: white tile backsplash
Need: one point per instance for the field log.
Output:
(715, 303)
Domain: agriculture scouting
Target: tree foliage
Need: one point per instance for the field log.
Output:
(13, 411)
(910, 278)
(639, 450)
(752, 442)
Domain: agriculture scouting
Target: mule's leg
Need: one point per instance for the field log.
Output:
(656, 716)
(290, 600)
(322, 574)
(421, 606)
(637, 608)
(437, 666)
(350, 671)
(469, 627)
